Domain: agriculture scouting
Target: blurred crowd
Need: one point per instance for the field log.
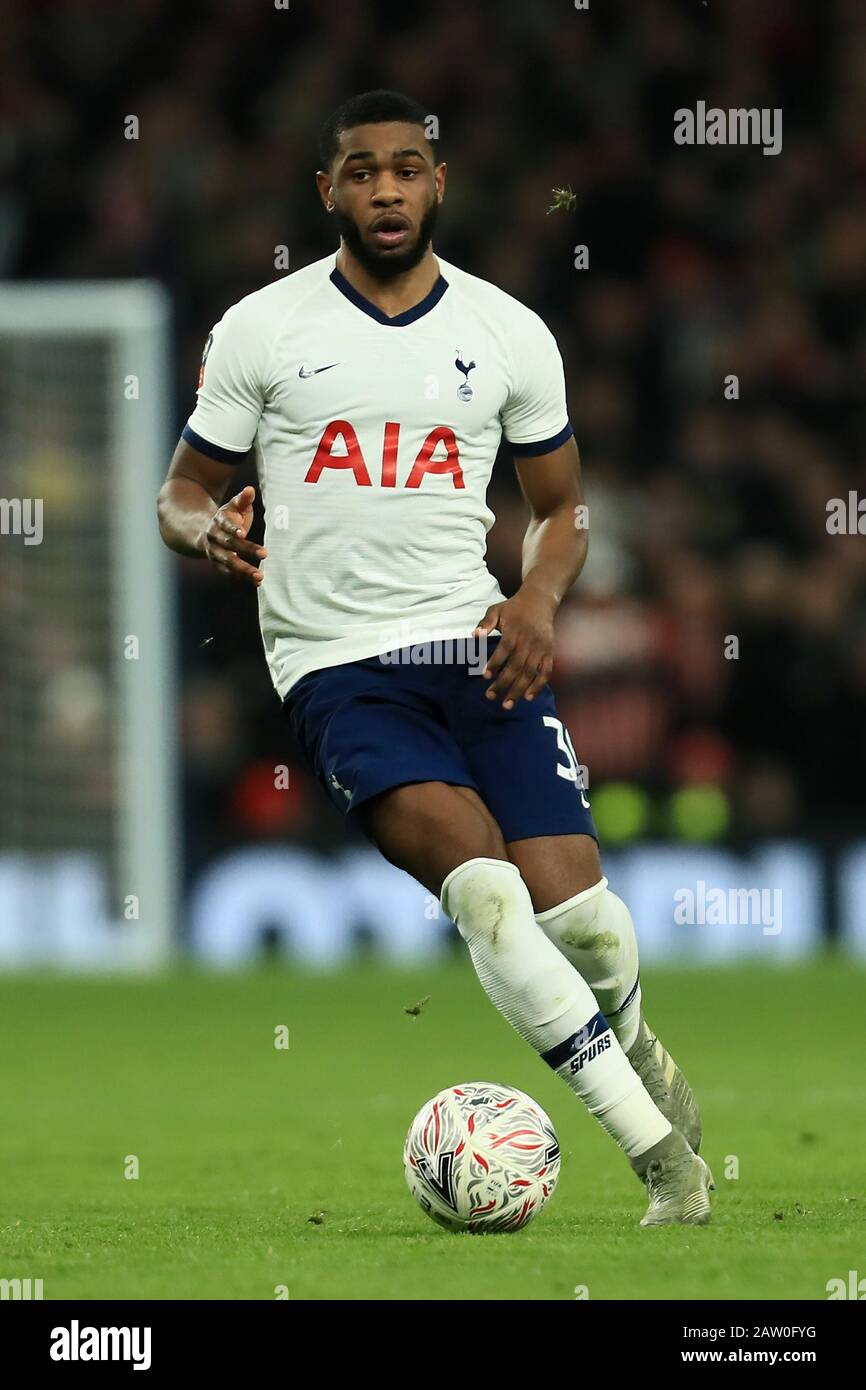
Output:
(715, 345)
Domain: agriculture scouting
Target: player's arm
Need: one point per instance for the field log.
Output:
(554, 550)
(536, 426)
(194, 520)
(555, 544)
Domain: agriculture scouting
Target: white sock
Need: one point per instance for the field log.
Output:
(595, 932)
(547, 1001)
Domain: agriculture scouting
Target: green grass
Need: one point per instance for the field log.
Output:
(239, 1143)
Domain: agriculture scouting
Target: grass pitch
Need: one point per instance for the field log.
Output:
(239, 1144)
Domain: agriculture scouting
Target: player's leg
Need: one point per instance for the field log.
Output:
(585, 920)
(428, 828)
(528, 775)
(376, 740)
(445, 835)
(593, 928)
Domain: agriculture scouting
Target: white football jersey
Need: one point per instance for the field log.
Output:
(375, 440)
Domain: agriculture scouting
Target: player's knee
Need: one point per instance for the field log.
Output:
(483, 897)
(595, 921)
(576, 920)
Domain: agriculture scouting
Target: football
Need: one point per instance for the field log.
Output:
(481, 1158)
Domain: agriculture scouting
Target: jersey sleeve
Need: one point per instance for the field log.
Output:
(535, 415)
(231, 390)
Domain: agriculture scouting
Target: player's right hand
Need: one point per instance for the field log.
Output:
(225, 542)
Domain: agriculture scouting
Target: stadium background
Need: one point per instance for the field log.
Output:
(708, 515)
(708, 519)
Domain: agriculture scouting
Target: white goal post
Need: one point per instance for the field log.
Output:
(88, 688)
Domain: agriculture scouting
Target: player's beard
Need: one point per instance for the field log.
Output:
(385, 265)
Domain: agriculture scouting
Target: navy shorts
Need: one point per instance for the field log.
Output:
(368, 726)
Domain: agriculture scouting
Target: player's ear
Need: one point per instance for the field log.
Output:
(323, 183)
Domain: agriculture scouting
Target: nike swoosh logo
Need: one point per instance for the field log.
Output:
(312, 371)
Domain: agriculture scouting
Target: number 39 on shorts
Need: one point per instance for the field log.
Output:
(571, 769)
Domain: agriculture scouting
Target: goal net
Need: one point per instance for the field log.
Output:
(88, 823)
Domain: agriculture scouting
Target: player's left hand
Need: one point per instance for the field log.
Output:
(523, 659)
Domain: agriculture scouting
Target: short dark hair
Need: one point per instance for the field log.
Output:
(370, 108)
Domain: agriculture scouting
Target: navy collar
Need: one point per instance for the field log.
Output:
(417, 311)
